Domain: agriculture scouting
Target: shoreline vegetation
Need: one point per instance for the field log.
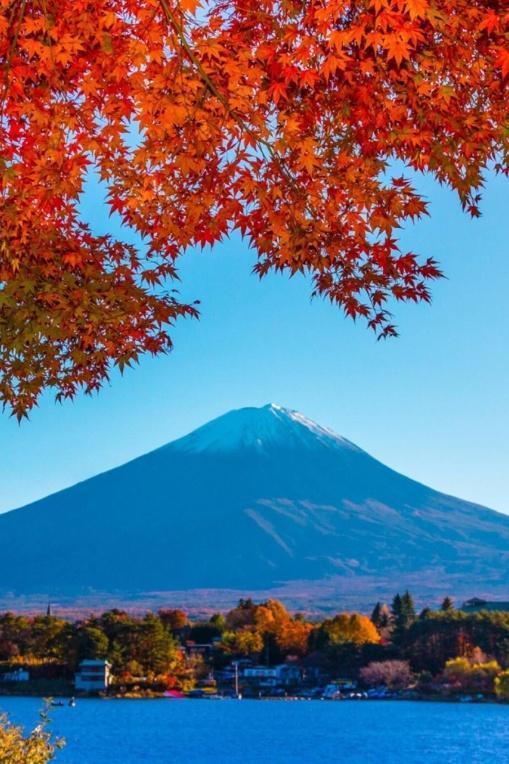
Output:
(36, 747)
(262, 651)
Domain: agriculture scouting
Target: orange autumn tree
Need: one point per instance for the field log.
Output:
(252, 628)
(279, 120)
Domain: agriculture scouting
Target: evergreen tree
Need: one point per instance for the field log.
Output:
(396, 608)
(403, 615)
(447, 605)
(381, 616)
(408, 609)
(375, 615)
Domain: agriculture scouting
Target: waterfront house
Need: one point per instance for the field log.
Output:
(273, 676)
(94, 675)
(476, 604)
(264, 676)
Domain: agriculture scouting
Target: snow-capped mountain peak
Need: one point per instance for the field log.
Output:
(256, 500)
(259, 429)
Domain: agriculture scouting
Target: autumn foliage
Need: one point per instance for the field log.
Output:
(350, 628)
(36, 747)
(471, 674)
(253, 628)
(280, 120)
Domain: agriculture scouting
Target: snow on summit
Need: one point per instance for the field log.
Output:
(260, 428)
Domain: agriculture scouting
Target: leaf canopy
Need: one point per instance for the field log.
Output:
(280, 120)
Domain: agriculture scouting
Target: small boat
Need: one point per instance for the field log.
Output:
(72, 702)
(57, 703)
(174, 694)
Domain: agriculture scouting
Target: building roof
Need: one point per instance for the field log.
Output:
(476, 603)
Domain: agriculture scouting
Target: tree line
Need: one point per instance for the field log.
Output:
(391, 646)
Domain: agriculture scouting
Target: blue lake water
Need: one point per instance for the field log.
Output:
(371, 732)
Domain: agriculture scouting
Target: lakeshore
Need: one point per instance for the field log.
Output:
(261, 651)
(410, 696)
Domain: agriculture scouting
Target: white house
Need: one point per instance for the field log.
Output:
(261, 672)
(272, 676)
(94, 675)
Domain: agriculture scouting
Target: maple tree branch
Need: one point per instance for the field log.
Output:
(177, 28)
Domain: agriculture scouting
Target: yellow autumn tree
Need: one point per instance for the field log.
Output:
(352, 628)
(502, 685)
(466, 675)
(38, 747)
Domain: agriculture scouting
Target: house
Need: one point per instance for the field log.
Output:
(273, 676)
(94, 675)
(193, 649)
(475, 605)
(263, 676)
(17, 675)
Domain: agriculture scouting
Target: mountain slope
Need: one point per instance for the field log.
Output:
(253, 499)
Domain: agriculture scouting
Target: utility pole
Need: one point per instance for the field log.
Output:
(236, 667)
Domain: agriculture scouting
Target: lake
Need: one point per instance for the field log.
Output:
(126, 731)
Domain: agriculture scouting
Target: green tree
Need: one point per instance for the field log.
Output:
(45, 636)
(447, 605)
(218, 621)
(15, 633)
(245, 641)
(403, 616)
(157, 647)
(396, 606)
(116, 657)
(92, 643)
(502, 685)
(381, 616)
(408, 608)
(204, 633)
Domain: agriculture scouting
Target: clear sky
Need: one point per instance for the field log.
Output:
(432, 404)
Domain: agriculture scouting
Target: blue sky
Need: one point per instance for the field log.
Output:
(432, 403)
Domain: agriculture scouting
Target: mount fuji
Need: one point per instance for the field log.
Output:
(258, 500)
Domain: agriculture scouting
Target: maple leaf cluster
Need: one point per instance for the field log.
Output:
(280, 120)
